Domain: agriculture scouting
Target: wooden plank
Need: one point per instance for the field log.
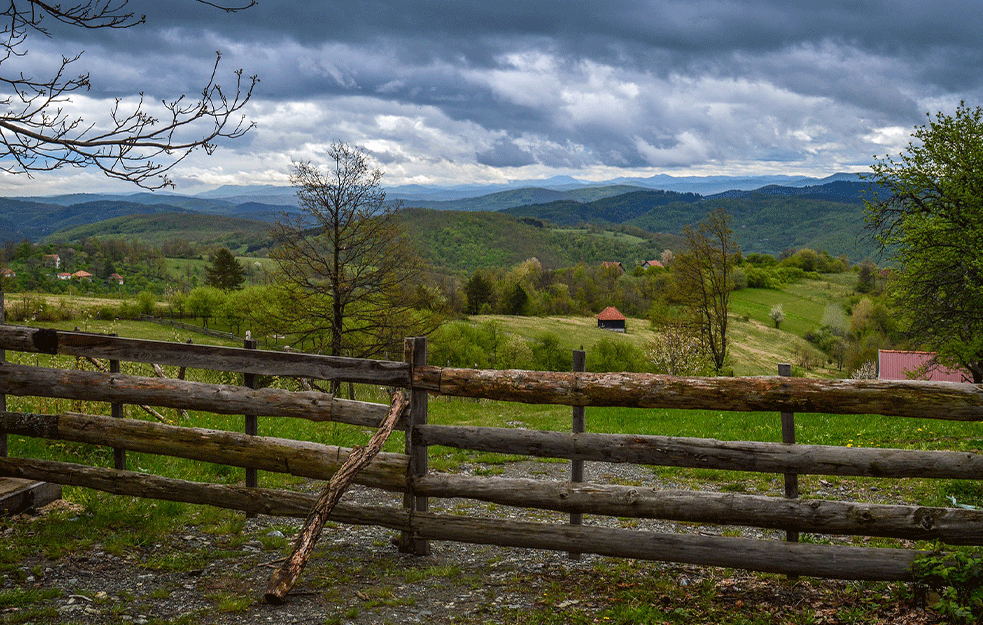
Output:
(20, 495)
(278, 455)
(711, 453)
(181, 394)
(903, 398)
(262, 362)
(953, 526)
(803, 559)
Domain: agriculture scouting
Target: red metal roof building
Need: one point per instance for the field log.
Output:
(611, 319)
(904, 365)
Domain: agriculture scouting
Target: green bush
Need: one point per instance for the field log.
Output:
(958, 578)
(614, 355)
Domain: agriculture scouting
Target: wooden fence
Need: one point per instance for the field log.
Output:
(408, 472)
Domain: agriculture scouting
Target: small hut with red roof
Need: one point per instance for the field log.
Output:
(611, 319)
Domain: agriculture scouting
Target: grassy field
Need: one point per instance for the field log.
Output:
(122, 525)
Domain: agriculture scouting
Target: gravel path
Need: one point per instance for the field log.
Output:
(356, 575)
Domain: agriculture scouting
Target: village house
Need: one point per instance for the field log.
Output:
(611, 319)
(652, 263)
(613, 264)
(82, 275)
(52, 260)
(911, 365)
(6, 272)
(115, 278)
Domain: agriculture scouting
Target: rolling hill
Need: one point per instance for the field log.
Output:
(468, 240)
(232, 232)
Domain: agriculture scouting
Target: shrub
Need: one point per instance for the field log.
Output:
(614, 355)
(958, 578)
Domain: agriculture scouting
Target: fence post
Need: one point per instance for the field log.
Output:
(788, 436)
(252, 424)
(415, 353)
(579, 425)
(3, 398)
(116, 411)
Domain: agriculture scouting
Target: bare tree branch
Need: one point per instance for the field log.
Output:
(136, 145)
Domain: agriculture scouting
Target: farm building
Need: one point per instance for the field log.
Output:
(611, 319)
(613, 264)
(905, 365)
(652, 263)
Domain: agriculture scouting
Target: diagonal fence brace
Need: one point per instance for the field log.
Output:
(284, 578)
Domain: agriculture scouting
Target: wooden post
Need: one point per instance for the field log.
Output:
(788, 436)
(3, 398)
(252, 424)
(415, 353)
(116, 411)
(579, 425)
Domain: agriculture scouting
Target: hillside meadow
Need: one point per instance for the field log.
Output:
(609, 590)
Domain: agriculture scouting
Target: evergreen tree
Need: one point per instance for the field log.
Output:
(225, 272)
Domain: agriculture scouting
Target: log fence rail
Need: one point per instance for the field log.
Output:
(408, 473)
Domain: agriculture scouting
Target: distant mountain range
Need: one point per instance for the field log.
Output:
(781, 211)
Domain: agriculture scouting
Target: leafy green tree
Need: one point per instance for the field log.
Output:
(480, 291)
(205, 302)
(225, 271)
(931, 226)
(515, 301)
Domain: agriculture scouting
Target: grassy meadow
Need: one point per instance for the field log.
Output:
(122, 525)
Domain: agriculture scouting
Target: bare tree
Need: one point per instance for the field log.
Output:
(136, 145)
(703, 273)
(346, 267)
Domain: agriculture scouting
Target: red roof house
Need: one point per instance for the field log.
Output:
(611, 319)
(652, 263)
(82, 275)
(904, 365)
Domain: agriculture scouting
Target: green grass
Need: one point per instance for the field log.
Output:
(803, 302)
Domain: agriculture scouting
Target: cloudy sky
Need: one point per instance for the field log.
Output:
(449, 92)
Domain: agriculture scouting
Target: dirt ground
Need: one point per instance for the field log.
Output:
(357, 576)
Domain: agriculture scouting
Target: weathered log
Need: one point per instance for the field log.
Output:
(767, 556)
(708, 453)
(159, 372)
(388, 471)
(907, 398)
(803, 559)
(278, 455)
(217, 398)
(263, 362)
(950, 525)
(284, 578)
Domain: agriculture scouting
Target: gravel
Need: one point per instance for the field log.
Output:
(356, 575)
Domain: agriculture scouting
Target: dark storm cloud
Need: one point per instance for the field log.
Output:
(505, 154)
(562, 85)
